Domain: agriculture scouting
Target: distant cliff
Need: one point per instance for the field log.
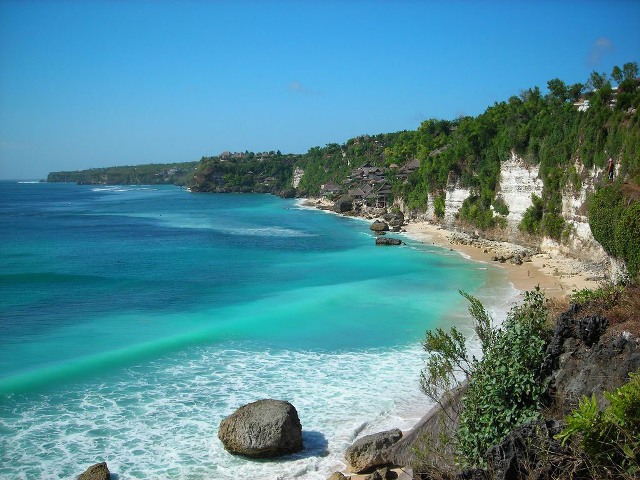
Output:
(149, 174)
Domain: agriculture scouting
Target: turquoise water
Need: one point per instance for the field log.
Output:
(135, 318)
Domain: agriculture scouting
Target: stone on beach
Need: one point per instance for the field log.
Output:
(99, 471)
(369, 452)
(344, 204)
(262, 429)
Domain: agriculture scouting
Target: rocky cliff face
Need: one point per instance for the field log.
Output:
(518, 181)
(455, 195)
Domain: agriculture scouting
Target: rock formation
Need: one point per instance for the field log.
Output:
(388, 241)
(344, 204)
(262, 429)
(370, 451)
(379, 226)
(99, 471)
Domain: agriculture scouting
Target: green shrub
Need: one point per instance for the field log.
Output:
(615, 223)
(532, 217)
(610, 437)
(504, 388)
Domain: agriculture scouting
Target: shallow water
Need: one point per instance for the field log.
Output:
(135, 318)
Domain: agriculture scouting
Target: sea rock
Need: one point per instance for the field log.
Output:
(337, 476)
(99, 471)
(370, 451)
(388, 241)
(344, 204)
(263, 429)
(379, 226)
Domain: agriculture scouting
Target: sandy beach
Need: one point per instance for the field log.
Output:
(557, 275)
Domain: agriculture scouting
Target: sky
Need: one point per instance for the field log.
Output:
(88, 84)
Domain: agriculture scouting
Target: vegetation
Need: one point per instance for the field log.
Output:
(609, 436)
(150, 174)
(567, 131)
(504, 387)
(614, 216)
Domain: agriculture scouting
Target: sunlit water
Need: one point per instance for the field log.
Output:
(135, 318)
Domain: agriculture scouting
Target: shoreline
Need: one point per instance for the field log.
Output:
(556, 274)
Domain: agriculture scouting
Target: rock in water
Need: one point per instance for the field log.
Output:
(262, 429)
(99, 471)
(379, 226)
(388, 241)
(370, 451)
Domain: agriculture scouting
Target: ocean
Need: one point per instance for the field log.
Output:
(133, 319)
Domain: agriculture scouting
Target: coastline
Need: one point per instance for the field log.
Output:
(557, 275)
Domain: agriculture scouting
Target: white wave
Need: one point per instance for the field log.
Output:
(163, 423)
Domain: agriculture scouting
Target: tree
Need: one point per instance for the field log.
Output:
(575, 91)
(617, 75)
(557, 89)
(597, 81)
(630, 70)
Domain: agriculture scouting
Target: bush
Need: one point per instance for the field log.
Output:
(504, 388)
(610, 437)
(615, 223)
(532, 217)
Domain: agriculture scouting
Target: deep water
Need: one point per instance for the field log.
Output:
(134, 318)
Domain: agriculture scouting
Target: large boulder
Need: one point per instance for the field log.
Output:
(394, 219)
(344, 204)
(99, 471)
(262, 429)
(388, 241)
(379, 226)
(371, 451)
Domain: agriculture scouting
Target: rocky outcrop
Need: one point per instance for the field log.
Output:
(530, 451)
(379, 226)
(430, 436)
(99, 471)
(343, 204)
(583, 360)
(394, 219)
(371, 451)
(262, 429)
(385, 241)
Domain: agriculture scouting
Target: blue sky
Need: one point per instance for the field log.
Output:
(87, 84)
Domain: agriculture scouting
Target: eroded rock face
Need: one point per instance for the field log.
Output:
(99, 471)
(582, 360)
(370, 451)
(262, 429)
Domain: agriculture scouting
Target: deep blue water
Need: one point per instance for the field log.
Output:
(134, 318)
